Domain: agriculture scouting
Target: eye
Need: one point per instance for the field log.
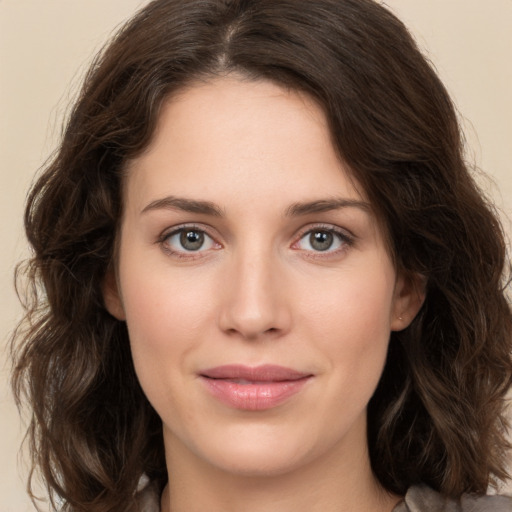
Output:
(322, 240)
(188, 240)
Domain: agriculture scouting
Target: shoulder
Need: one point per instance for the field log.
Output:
(147, 497)
(421, 498)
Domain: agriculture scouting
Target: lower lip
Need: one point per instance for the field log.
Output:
(256, 396)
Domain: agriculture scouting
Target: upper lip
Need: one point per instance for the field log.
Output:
(262, 373)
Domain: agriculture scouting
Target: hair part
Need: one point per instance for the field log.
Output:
(437, 416)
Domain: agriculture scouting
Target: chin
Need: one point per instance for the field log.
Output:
(259, 463)
(267, 453)
(245, 451)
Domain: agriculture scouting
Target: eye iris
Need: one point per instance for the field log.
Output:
(191, 240)
(321, 240)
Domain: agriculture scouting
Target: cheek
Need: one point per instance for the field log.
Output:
(159, 298)
(164, 314)
(356, 302)
(350, 319)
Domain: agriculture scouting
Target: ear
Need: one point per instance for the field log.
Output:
(409, 295)
(112, 297)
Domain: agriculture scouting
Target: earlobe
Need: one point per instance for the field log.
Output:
(409, 296)
(112, 297)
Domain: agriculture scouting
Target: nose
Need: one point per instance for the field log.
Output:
(255, 301)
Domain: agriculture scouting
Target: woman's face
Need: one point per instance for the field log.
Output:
(255, 282)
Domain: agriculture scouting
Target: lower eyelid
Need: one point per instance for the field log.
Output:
(164, 238)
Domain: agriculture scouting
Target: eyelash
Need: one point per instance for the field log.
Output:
(345, 240)
(185, 254)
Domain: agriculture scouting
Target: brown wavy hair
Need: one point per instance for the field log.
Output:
(437, 416)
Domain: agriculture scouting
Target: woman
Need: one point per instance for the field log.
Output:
(268, 279)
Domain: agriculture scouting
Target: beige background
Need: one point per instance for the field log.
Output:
(44, 49)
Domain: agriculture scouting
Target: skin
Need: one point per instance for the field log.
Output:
(257, 292)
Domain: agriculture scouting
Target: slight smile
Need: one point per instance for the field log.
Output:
(253, 388)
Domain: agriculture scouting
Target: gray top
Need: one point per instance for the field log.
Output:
(419, 498)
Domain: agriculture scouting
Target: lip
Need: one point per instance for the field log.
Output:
(253, 388)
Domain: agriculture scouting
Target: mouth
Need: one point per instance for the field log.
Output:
(253, 388)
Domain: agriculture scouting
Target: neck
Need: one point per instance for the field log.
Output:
(330, 483)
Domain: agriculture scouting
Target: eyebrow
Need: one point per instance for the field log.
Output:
(295, 210)
(325, 205)
(186, 205)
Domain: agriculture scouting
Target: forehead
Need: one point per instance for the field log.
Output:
(252, 138)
